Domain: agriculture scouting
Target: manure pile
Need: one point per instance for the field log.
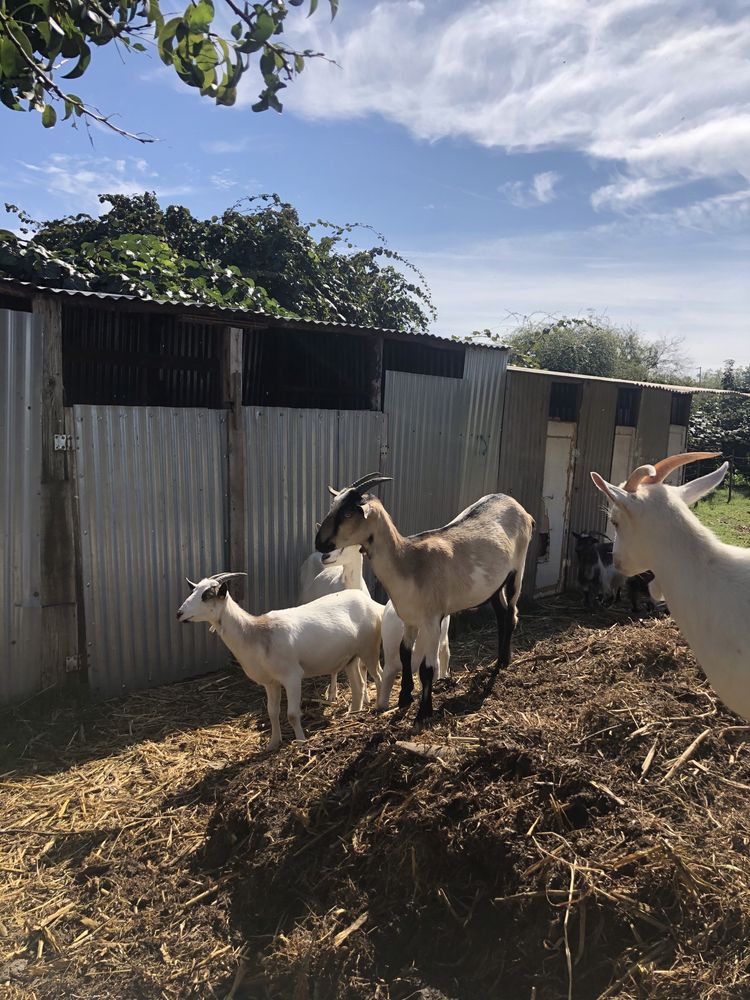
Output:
(580, 830)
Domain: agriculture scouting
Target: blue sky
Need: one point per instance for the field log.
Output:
(530, 156)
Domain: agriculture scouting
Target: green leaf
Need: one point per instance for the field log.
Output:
(237, 31)
(313, 7)
(80, 68)
(264, 27)
(299, 62)
(199, 16)
(11, 63)
(49, 116)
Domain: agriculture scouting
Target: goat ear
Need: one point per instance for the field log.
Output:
(366, 509)
(694, 491)
(222, 589)
(317, 525)
(614, 493)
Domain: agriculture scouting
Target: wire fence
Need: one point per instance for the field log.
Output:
(738, 474)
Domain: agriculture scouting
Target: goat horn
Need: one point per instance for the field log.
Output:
(373, 479)
(222, 577)
(668, 465)
(659, 472)
(637, 476)
(190, 583)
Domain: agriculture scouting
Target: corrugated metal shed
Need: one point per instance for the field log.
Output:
(292, 456)
(152, 501)
(652, 433)
(443, 440)
(20, 435)
(524, 439)
(596, 432)
(525, 422)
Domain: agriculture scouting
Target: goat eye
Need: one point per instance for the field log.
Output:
(348, 513)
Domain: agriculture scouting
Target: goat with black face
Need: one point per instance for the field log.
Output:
(478, 557)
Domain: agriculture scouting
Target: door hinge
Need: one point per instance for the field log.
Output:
(63, 442)
(72, 664)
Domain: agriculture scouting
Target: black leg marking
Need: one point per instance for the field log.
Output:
(426, 674)
(407, 681)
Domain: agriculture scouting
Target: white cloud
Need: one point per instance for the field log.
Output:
(222, 147)
(540, 191)
(660, 88)
(222, 180)
(76, 181)
(703, 298)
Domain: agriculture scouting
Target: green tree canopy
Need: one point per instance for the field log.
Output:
(45, 43)
(591, 345)
(257, 255)
(722, 422)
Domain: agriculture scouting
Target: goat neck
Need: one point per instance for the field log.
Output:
(234, 626)
(386, 549)
(702, 581)
(352, 570)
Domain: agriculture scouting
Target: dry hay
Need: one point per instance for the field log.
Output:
(580, 830)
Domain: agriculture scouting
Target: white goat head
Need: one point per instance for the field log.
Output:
(207, 600)
(643, 506)
(345, 524)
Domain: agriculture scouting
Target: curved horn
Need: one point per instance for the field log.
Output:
(190, 583)
(366, 482)
(668, 465)
(637, 476)
(222, 577)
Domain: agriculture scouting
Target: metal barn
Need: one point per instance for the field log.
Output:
(557, 427)
(146, 442)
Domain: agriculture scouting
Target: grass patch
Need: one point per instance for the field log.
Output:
(729, 521)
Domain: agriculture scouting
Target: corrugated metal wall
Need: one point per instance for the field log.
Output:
(292, 457)
(523, 449)
(20, 439)
(152, 501)
(652, 433)
(426, 439)
(484, 377)
(596, 434)
(443, 440)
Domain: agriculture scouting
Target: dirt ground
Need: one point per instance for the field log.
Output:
(579, 828)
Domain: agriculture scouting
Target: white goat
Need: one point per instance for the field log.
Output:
(479, 556)
(705, 582)
(330, 573)
(280, 648)
(392, 634)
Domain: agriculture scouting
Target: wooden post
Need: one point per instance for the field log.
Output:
(237, 545)
(731, 476)
(60, 646)
(376, 382)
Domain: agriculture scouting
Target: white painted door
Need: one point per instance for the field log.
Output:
(623, 454)
(677, 438)
(558, 476)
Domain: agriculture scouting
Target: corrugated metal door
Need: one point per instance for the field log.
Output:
(152, 507)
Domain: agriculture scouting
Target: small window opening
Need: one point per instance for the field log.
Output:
(564, 401)
(628, 405)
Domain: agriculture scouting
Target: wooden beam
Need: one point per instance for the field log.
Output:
(235, 455)
(60, 647)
